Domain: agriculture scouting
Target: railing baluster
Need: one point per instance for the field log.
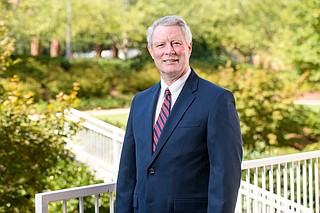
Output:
(298, 172)
(310, 185)
(304, 186)
(248, 191)
(96, 203)
(285, 180)
(271, 185)
(255, 180)
(263, 174)
(115, 152)
(292, 189)
(81, 210)
(278, 183)
(64, 206)
(316, 180)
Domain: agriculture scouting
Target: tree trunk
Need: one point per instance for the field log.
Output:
(35, 46)
(114, 51)
(98, 49)
(54, 48)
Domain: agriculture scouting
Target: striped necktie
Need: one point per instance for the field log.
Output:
(162, 118)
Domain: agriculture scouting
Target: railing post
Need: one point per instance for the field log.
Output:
(111, 202)
(41, 205)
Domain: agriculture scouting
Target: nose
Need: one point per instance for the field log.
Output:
(169, 50)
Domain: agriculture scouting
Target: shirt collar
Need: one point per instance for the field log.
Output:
(177, 85)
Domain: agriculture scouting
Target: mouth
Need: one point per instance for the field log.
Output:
(170, 60)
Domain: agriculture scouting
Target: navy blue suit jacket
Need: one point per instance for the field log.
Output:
(197, 164)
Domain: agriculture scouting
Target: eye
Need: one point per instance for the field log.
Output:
(176, 43)
(159, 45)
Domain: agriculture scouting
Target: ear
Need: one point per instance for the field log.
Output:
(150, 50)
(190, 48)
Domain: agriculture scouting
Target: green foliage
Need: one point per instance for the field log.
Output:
(33, 157)
(70, 173)
(32, 148)
(6, 47)
(107, 83)
(146, 77)
(39, 18)
(267, 113)
(264, 98)
(281, 34)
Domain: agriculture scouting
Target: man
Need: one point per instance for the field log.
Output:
(187, 159)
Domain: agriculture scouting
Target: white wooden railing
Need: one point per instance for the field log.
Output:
(97, 144)
(283, 184)
(43, 199)
(288, 183)
(265, 201)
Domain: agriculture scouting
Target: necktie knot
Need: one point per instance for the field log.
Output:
(167, 93)
(168, 99)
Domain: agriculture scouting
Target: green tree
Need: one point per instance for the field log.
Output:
(33, 157)
(279, 33)
(38, 21)
(6, 48)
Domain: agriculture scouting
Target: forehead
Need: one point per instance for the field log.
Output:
(167, 33)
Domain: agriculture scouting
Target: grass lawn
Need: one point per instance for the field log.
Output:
(119, 120)
(313, 107)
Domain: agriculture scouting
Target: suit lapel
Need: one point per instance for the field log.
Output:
(185, 99)
(151, 102)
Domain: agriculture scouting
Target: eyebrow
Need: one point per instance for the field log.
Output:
(165, 41)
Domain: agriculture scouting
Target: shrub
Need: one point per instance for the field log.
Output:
(32, 154)
(267, 113)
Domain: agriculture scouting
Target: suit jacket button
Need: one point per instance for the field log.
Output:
(152, 171)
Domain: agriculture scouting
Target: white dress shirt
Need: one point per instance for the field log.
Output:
(175, 90)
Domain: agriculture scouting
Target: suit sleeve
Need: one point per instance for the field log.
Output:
(127, 171)
(225, 154)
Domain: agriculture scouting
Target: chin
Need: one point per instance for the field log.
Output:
(172, 68)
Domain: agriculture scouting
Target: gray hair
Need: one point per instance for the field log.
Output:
(170, 21)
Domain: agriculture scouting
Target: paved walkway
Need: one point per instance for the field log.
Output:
(312, 98)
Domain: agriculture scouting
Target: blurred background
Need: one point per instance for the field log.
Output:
(91, 55)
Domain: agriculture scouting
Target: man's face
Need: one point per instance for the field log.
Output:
(170, 52)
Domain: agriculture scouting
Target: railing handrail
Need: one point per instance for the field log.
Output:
(76, 115)
(280, 159)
